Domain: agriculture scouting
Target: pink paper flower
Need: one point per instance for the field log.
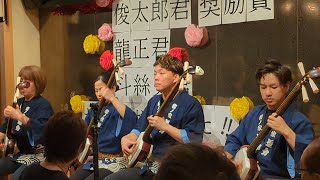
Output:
(180, 53)
(103, 3)
(106, 60)
(105, 32)
(195, 36)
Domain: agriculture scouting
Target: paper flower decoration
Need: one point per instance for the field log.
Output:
(106, 60)
(103, 3)
(105, 32)
(201, 100)
(76, 103)
(239, 107)
(180, 53)
(93, 44)
(196, 36)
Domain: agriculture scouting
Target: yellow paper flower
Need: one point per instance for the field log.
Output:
(76, 104)
(201, 100)
(91, 44)
(84, 98)
(239, 107)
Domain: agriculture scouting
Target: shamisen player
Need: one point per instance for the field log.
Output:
(280, 151)
(183, 120)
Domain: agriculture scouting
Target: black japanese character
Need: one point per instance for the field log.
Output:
(121, 14)
(160, 45)
(233, 6)
(259, 4)
(180, 9)
(142, 85)
(159, 10)
(210, 6)
(140, 13)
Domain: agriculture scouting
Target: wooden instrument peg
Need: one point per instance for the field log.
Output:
(121, 71)
(313, 85)
(181, 85)
(117, 77)
(185, 68)
(305, 96)
(114, 61)
(301, 68)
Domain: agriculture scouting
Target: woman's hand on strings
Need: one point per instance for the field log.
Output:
(13, 113)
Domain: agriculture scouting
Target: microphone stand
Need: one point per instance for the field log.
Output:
(95, 129)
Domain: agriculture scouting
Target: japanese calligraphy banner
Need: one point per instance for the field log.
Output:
(141, 47)
(218, 123)
(214, 12)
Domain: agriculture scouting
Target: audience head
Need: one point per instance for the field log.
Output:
(309, 163)
(64, 137)
(196, 161)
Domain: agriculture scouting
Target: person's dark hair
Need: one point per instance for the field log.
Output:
(63, 136)
(169, 63)
(282, 72)
(311, 160)
(35, 74)
(104, 77)
(196, 161)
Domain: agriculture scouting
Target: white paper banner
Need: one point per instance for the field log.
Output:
(219, 123)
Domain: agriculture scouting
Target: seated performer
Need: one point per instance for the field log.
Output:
(183, 120)
(29, 118)
(290, 133)
(309, 166)
(64, 139)
(196, 162)
(115, 121)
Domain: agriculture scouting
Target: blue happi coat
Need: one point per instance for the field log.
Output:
(112, 127)
(276, 158)
(38, 110)
(184, 113)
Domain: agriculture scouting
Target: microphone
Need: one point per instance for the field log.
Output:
(23, 84)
